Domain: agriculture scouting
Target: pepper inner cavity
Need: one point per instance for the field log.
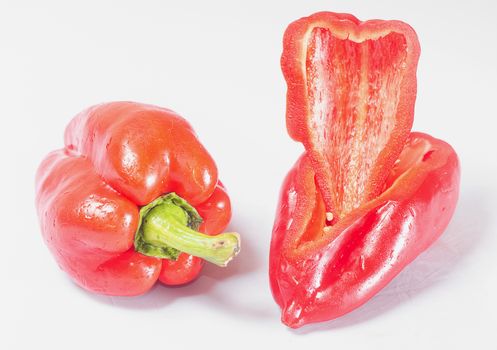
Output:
(353, 92)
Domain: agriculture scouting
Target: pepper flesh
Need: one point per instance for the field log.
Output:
(350, 100)
(367, 196)
(118, 157)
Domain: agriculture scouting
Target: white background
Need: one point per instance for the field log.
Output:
(217, 64)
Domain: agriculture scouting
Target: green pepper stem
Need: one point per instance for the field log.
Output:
(166, 225)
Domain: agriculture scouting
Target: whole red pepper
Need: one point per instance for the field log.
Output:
(121, 205)
(367, 196)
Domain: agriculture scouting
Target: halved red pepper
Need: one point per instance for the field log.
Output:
(367, 196)
(124, 203)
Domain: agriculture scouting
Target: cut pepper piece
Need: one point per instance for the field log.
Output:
(351, 94)
(367, 196)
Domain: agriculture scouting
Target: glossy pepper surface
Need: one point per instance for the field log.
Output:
(132, 198)
(367, 196)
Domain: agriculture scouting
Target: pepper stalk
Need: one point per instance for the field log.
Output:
(168, 226)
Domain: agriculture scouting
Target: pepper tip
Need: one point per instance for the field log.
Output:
(291, 315)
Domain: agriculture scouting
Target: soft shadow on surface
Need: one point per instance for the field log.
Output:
(466, 229)
(209, 285)
(247, 261)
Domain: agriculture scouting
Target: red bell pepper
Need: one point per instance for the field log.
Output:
(367, 196)
(121, 205)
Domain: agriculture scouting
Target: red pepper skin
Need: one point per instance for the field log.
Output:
(344, 265)
(143, 151)
(217, 210)
(118, 157)
(184, 270)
